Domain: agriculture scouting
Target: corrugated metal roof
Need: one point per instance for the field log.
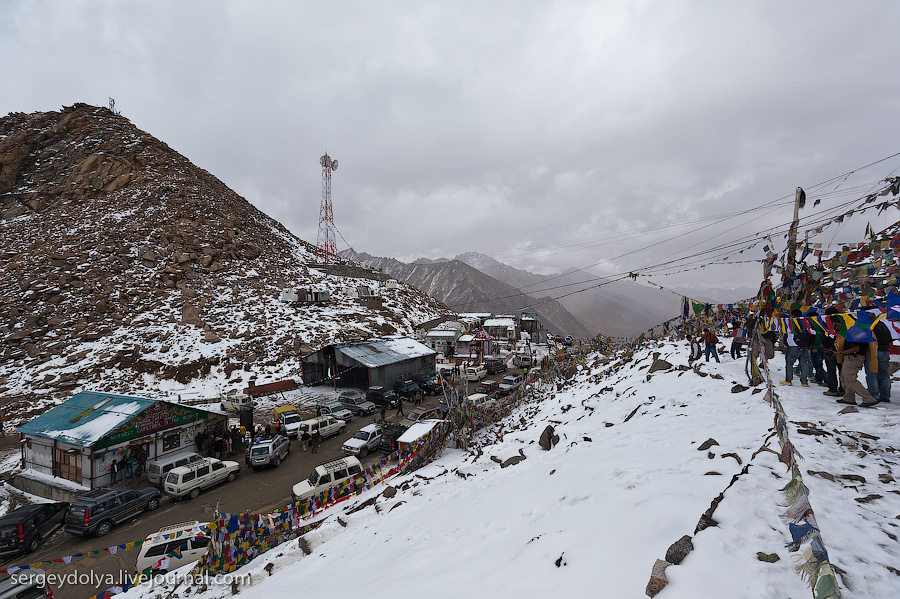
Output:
(383, 351)
(86, 417)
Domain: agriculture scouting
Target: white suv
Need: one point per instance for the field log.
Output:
(510, 383)
(189, 480)
(162, 554)
(326, 425)
(326, 476)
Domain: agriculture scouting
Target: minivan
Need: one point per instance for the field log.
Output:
(326, 425)
(189, 480)
(158, 469)
(192, 545)
(326, 476)
(22, 530)
(481, 400)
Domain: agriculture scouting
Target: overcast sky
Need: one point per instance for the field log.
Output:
(530, 131)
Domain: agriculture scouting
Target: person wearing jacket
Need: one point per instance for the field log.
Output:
(710, 339)
(879, 383)
(796, 348)
(852, 355)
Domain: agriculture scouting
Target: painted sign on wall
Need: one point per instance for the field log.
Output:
(159, 416)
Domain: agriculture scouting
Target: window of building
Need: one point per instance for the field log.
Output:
(67, 465)
(171, 441)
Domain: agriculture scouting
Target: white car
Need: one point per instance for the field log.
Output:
(326, 476)
(189, 480)
(475, 373)
(326, 425)
(162, 555)
(360, 444)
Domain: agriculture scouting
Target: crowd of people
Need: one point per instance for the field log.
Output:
(132, 464)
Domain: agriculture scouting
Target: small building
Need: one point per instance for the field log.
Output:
(319, 296)
(76, 441)
(501, 328)
(253, 390)
(368, 362)
(477, 317)
(439, 339)
(391, 284)
(529, 323)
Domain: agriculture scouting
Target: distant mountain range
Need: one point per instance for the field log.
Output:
(473, 282)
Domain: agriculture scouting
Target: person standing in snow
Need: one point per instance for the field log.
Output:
(113, 472)
(796, 349)
(853, 354)
(710, 339)
(696, 350)
(399, 406)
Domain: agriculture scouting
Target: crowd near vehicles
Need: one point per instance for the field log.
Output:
(269, 452)
(363, 442)
(97, 511)
(325, 476)
(356, 402)
(187, 548)
(290, 420)
(22, 530)
(196, 476)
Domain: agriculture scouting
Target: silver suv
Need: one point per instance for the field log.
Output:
(356, 402)
(269, 452)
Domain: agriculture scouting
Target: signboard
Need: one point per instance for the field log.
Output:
(159, 416)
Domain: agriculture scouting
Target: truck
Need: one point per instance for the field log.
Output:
(233, 401)
(290, 420)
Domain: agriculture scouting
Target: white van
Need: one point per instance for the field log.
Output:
(158, 469)
(325, 476)
(482, 400)
(189, 480)
(192, 545)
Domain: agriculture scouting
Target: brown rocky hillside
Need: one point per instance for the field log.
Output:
(125, 267)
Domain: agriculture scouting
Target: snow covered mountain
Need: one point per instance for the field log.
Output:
(467, 289)
(126, 268)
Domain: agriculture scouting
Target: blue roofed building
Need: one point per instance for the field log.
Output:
(368, 362)
(72, 445)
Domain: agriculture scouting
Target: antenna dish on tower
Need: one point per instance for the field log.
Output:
(326, 244)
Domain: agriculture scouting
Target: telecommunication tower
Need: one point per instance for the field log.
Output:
(326, 243)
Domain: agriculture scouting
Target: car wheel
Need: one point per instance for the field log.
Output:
(341, 431)
(33, 545)
(195, 493)
(152, 504)
(363, 452)
(277, 462)
(231, 476)
(103, 529)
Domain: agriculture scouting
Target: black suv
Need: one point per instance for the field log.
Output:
(382, 397)
(407, 389)
(96, 511)
(389, 435)
(429, 384)
(22, 530)
(495, 365)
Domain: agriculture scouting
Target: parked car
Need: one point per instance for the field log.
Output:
(269, 452)
(488, 387)
(334, 408)
(446, 375)
(290, 420)
(522, 360)
(417, 414)
(430, 384)
(356, 402)
(325, 476)
(26, 584)
(22, 530)
(495, 365)
(382, 397)
(234, 401)
(97, 511)
(510, 383)
(365, 440)
(475, 373)
(192, 545)
(407, 389)
(326, 425)
(159, 468)
(389, 436)
(189, 480)
(480, 400)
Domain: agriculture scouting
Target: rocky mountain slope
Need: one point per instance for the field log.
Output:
(466, 289)
(124, 267)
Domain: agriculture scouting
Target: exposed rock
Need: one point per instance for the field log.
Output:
(679, 549)
(658, 580)
(548, 438)
(739, 388)
(660, 365)
(211, 337)
(389, 492)
(767, 557)
(733, 455)
(190, 315)
(707, 444)
(868, 498)
(824, 475)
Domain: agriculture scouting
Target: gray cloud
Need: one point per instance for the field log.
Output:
(490, 127)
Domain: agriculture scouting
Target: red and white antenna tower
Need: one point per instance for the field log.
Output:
(326, 243)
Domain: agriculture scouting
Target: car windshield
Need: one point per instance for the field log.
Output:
(313, 478)
(359, 400)
(291, 419)
(264, 450)
(172, 478)
(361, 435)
(414, 415)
